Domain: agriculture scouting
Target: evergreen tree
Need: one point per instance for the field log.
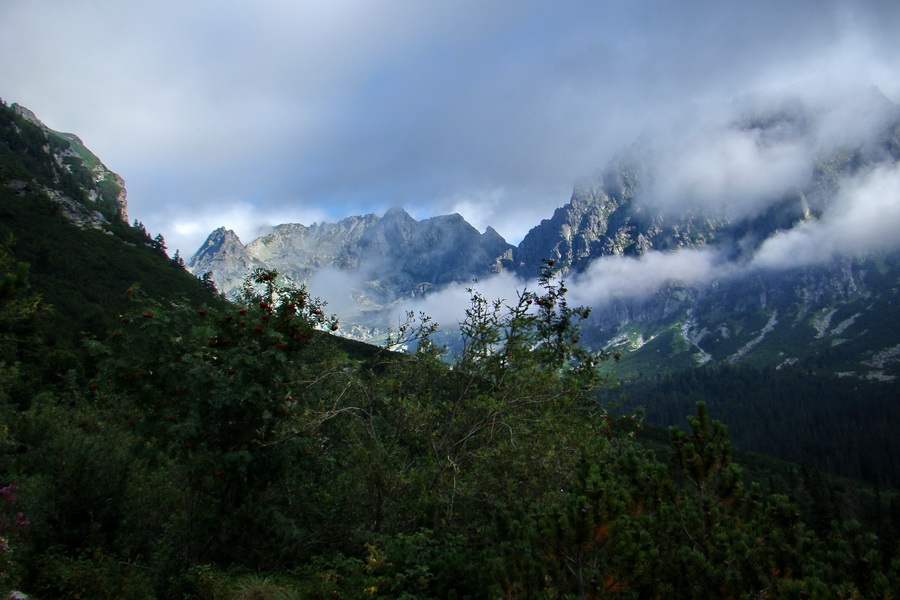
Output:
(159, 244)
(207, 282)
(177, 260)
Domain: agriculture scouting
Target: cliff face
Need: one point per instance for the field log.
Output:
(224, 256)
(841, 308)
(603, 219)
(620, 212)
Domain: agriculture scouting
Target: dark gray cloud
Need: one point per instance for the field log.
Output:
(248, 114)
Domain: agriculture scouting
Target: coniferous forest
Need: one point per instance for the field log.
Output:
(157, 441)
(831, 423)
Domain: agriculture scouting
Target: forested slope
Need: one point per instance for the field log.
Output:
(837, 424)
(218, 452)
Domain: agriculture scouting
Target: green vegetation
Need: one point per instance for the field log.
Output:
(27, 156)
(836, 424)
(242, 451)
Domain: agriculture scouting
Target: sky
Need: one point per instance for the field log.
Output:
(251, 114)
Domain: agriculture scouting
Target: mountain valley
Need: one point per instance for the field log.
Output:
(160, 440)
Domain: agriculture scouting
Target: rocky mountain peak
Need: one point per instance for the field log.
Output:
(28, 116)
(221, 240)
(223, 255)
(396, 213)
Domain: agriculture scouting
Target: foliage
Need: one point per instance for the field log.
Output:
(81, 290)
(224, 393)
(19, 306)
(242, 451)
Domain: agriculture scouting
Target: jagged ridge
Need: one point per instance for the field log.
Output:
(394, 255)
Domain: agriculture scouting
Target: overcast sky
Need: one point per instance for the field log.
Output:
(248, 114)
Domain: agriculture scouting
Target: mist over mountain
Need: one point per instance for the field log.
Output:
(773, 209)
(361, 263)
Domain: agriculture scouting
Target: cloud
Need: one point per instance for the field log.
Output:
(248, 222)
(736, 159)
(350, 107)
(618, 277)
(723, 170)
(864, 218)
(447, 307)
(339, 289)
(606, 279)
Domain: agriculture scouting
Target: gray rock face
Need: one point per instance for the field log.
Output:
(605, 218)
(835, 312)
(390, 257)
(610, 215)
(223, 255)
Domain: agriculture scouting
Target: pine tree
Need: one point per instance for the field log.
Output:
(177, 260)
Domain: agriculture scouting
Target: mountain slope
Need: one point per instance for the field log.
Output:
(33, 156)
(722, 294)
(65, 214)
(679, 244)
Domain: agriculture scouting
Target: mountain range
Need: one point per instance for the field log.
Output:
(394, 255)
(671, 287)
(796, 350)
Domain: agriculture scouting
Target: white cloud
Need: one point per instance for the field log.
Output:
(612, 278)
(447, 307)
(606, 279)
(186, 231)
(355, 106)
(865, 217)
(716, 169)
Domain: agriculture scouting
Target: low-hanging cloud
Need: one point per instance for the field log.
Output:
(738, 158)
(619, 277)
(607, 279)
(865, 217)
(723, 171)
(340, 289)
(447, 307)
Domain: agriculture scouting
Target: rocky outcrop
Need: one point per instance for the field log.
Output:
(603, 219)
(609, 215)
(90, 194)
(768, 316)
